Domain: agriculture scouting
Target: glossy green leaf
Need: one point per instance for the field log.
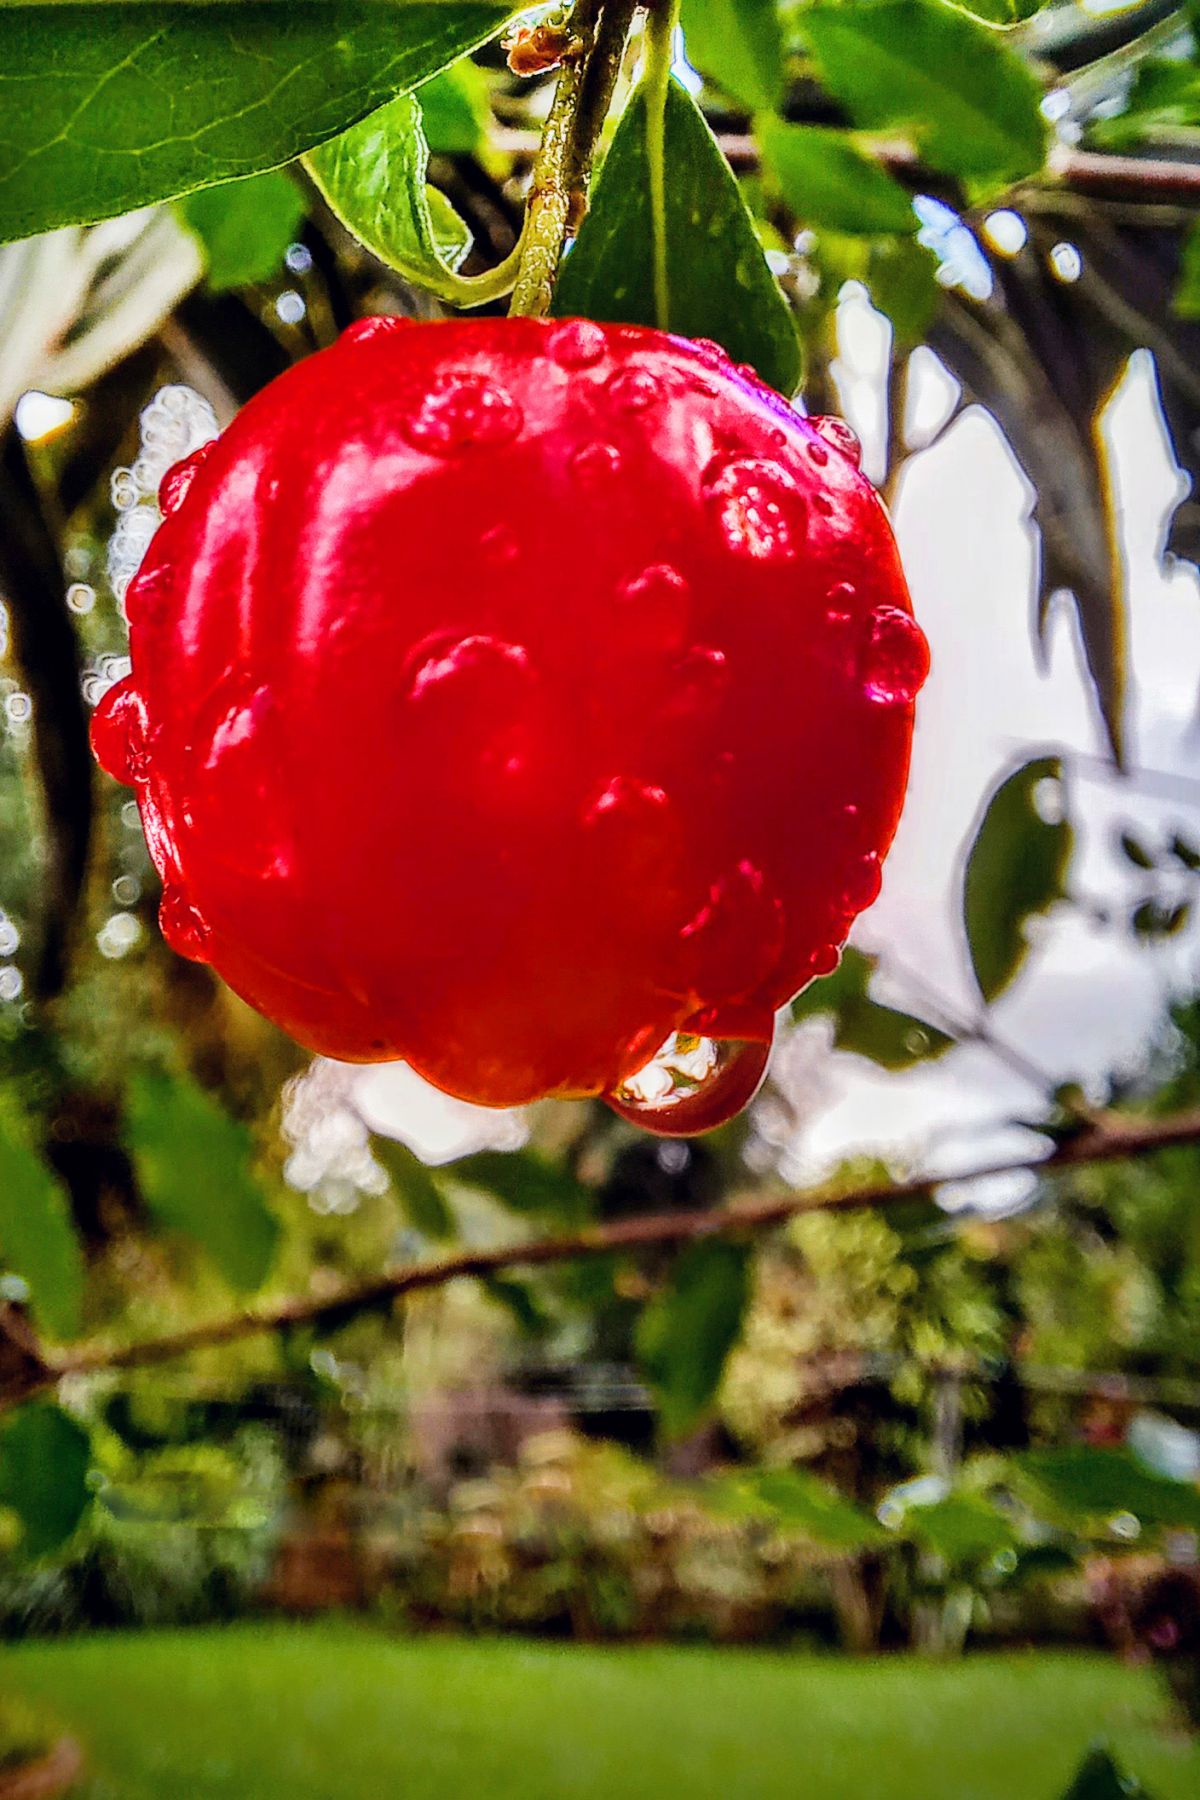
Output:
(106, 105)
(38, 1241)
(1100, 1778)
(1086, 1486)
(828, 181)
(893, 1039)
(1015, 869)
(524, 1181)
(967, 101)
(193, 1169)
(738, 46)
(373, 177)
(455, 110)
(1002, 13)
(686, 1332)
(44, 1461)
(417, 1187)
(719, 284)
(244, 227)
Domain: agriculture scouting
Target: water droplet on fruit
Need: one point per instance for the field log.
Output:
(693, 1084)
(173, 488)
(654, 609)
(863, 883)
(119, 734)
(839, 436)
(444, 665)
(825, 960)
(895, 657)
(363, 331)
(146, 590)
(710, 351)
(823, 504)
(818, 453)
(181, 925)
(758, 508)
(462, 412)
(734, 941)
(699, 686)
(592, 465)
(577, 343)
(633, 390)
(632, 826)
(499, 544)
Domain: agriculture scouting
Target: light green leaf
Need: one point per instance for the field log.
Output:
(1163, 102)
(738, 46)
(963, 1529)
(44, 1462)
(455, 109)
(1015, 869)
(106, 105)
(893, 1039)
(828, 181)
(37, 1234)
(969, 103)
(193, 1169)
(373, 177)
(417, 1187)
(796, 1500)
(719, 285)
(1186, 300)
(686, 1332)
(1002, 13)
(244, 226)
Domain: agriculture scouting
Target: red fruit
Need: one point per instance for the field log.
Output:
(509, 695)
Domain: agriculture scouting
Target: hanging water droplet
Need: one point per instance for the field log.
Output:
(758, 508)
(577, 343)
(734, 941)
(119, 734)
(863, 884)
(462, 412)
(895, 657)
(693, 1084)
(654, 610)
(174, 486)
(839, 436)
(825, 960)
(182, 927)
(634, 389)
(594, 465)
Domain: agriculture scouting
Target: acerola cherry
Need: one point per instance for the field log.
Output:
(509, 696)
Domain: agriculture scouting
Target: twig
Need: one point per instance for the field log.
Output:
(1114, 1139)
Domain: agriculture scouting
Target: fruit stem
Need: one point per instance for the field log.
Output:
(660, 53)
(564, 157)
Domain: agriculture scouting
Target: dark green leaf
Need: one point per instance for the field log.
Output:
(797, 1501)
(893, 1039)
(519, 1303)
(37, 1234)
(193, 1168)
(1186, 301)
(417, 1187)
(686, 1332)
(525, 1181)
(969, 103)
(1086, 1486)
(902, 277)
(373, 177)
(1015, 868)
(719, 285)
(244, 226)
(738, 45)
(1100, 1778)
(107, 105)
(455, 109)
(1134, 851)
(44, 1462)
(828, 181)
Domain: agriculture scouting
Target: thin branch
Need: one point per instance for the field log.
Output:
(1115, 1139)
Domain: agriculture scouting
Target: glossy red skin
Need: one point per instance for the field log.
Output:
(425, 771)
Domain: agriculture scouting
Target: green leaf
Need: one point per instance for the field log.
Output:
(456, 110)
(828, 181)
(37, 1233)
(969, 103)
(106, 105)
(44, 1461)
(961, 1528)
(519, 1302)
(902, 277)
(1164, 100)
(1016, 868)
(1086, 1486)
(244, 227)
(524, 1181)
(1004, 13)
(373, 177)
(193, 1169)
(417, 1188)
(686, 1332)
(737, 45)
(797, 1501)
(1100, 1778)
(893, 1039)
(719, 285)
(1186, 299)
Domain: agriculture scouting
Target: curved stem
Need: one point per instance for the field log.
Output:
(660, 50)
